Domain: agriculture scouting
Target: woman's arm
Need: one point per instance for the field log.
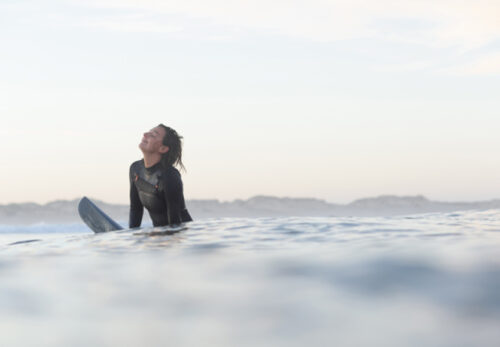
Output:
(136, 207)
(174, 197)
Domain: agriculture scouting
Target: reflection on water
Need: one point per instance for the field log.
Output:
(428, 280)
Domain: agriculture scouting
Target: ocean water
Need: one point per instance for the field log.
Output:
(422, 280)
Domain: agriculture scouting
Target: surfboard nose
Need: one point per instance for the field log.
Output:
(95, 218)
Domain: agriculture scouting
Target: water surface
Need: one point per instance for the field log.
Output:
(428, 280)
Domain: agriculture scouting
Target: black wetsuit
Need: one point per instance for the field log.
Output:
(159, 190)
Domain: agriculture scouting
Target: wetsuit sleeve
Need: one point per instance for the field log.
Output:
(174, 196)
(136, 207)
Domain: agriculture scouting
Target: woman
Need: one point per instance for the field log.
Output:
(154, 182)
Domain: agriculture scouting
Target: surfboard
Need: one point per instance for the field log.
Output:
(95, 218)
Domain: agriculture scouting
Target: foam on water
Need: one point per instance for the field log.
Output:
(428, 280)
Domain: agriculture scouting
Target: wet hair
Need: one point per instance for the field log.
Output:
(174, 142)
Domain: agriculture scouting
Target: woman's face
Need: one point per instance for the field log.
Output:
(152, 141)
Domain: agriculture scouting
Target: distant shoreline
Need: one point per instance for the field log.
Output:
(64, 211)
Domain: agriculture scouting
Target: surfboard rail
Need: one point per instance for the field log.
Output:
(95, 218)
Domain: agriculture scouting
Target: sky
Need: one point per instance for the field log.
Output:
(329, 99)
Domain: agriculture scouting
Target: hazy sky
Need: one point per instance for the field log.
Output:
(332, 99)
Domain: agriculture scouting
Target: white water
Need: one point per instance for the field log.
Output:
(427, 280)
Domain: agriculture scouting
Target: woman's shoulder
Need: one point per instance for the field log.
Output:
(137, 164)
(170, 173)
(136, 167)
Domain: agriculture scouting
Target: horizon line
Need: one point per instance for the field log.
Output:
(417, 196)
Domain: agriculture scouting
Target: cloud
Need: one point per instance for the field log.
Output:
(463, 23)
(484, 66)
(427, 34)
(132, 23)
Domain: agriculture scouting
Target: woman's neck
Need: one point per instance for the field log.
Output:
(151, 159)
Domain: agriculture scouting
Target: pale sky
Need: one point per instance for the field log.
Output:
(331, 99)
